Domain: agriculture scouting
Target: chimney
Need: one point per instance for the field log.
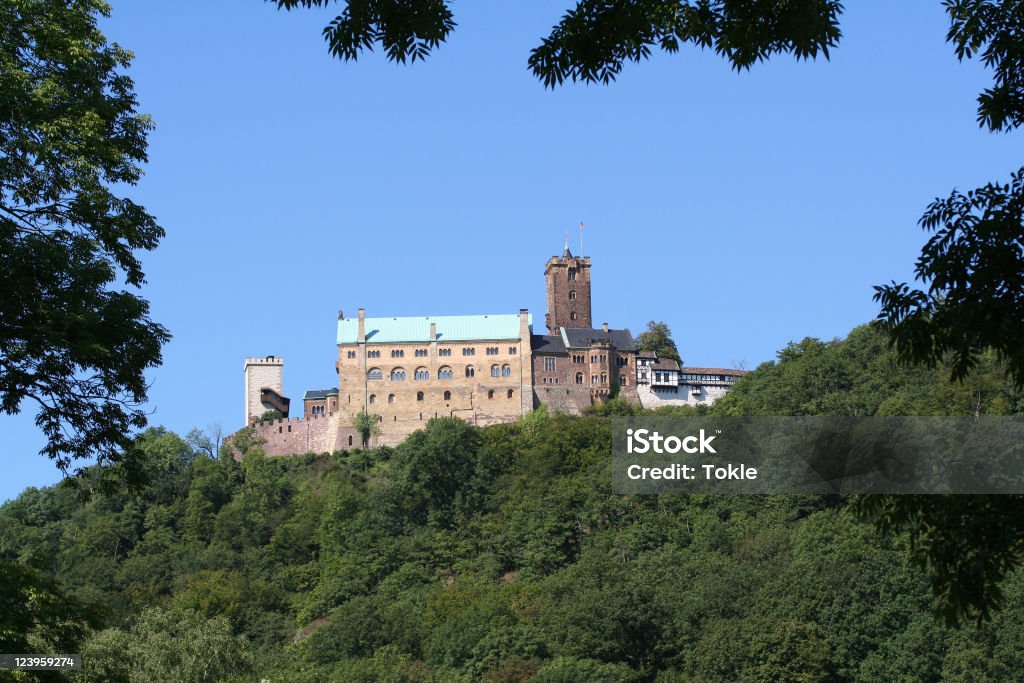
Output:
(604, 326)
(362, 326)
(433, 331)
(341, 316)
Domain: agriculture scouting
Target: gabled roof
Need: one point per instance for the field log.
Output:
(580, 338)
(544, 343)
(319, 393)
(665, 364)
(417, 329)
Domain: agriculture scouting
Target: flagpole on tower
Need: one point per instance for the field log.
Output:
(581, 239)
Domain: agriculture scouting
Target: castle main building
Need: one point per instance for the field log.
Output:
(485, 369)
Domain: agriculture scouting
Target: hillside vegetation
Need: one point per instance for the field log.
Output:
(499, 554)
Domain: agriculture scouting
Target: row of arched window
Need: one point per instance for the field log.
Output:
(445, 372)
(447, 396)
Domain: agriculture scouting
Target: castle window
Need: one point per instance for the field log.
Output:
(469, 351)
(444, 352)
(495, 371)
(419, 396)
(373, 354)
(506, 370)
(593, 379)
(373, 399)
(349, 439)
(510, 393)
(572, 296)
(470, 372)
(549, 364)
(445, 372)
(572, 316)
(579, 378)
(572, 276)
(421, 353)
(397, 353)
(374, 373)
(623, 380)
(490, 394)
(350, 354)
(447, 397)
(492, 350)
(391, 398)
(421, 373)
(511, 350)
(398, 375)
(604, 378)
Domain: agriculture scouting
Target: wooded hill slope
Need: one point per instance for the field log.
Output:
(498, 555)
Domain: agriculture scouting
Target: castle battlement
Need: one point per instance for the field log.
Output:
(264, 360)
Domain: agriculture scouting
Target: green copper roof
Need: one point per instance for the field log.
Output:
(417, 329)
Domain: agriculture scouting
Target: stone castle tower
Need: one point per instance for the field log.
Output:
(568, 292)
(264, 382)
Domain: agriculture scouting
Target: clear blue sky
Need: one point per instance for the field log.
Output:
(745, 210)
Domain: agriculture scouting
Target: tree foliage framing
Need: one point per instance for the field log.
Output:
(70, 341)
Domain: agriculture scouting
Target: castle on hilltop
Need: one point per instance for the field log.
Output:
(485, 369)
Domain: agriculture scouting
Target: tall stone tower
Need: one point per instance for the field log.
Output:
(568, 292)
(264, 381)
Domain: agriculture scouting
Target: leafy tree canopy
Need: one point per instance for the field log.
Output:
(72, 344)
(658, 338)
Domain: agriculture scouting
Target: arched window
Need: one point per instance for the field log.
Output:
(506, 370)
(421, 373)
(447, 395)
(374, 373)
(373, 399)
(490, 394)
(572, 296)
(579, 378)
(572, 275)
(604, 378)
(495, 371)
(419, 395)
(445, 372)
(391, 398)
(398, 375)
(470, 371)
(510, 392)
(572, 316)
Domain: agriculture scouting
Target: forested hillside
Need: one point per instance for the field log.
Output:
(498, 555)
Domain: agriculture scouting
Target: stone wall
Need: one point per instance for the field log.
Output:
(316, 434)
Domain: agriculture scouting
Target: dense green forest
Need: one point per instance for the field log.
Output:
(499, 554)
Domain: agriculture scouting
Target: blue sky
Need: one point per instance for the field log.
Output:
(745, 210)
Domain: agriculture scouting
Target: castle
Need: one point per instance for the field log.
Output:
(485, 369)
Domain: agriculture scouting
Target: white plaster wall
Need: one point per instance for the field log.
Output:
(649, 398)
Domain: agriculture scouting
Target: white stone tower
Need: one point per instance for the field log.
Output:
(261, 375)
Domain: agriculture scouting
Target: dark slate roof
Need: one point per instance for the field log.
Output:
(543, 343)
(319, 393)
(580, 338)
(714, 371)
